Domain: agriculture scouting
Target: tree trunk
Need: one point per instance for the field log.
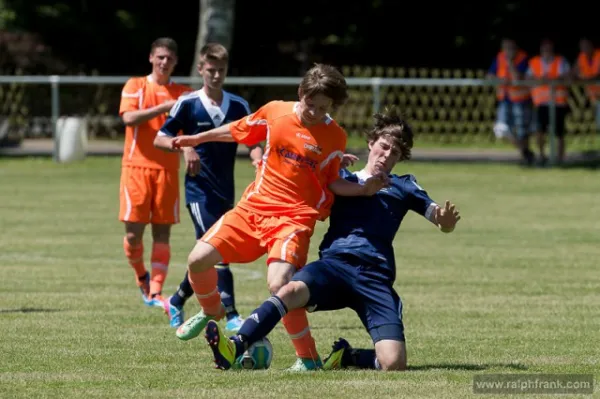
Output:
(216, 25)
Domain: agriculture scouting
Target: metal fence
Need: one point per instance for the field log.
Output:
(442, 106)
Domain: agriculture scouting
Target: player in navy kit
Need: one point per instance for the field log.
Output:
(357, 267)
(209, 179)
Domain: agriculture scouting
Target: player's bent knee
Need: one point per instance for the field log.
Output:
(391, 355)
(134, 233)
(389, 363)
(203, 257)
(161, 233)
(133, 239)
(278, 275)
(277, 284)
(294, 295)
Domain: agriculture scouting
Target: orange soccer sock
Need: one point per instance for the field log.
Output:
(296, 325)
(135, 256)
(204, 285)
(161, 255)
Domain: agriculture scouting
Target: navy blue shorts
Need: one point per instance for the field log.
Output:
(342, 282)
(205, 212)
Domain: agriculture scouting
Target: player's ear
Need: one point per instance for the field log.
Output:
(200, 64)
(370, 145)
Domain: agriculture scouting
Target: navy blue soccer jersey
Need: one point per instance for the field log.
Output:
(365, 227)
(194, 113)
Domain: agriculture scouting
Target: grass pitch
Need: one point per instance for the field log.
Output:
(515, 289)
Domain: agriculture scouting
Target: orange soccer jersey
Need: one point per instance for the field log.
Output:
(149, 191)
(278, 211)
(142, 93)
(298, 164)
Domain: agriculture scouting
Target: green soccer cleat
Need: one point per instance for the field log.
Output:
(223, 348)
(193, 326)
(338, 358)
(305, 365)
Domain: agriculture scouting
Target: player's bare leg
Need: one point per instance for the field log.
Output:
(295, 321)
(203, 278)
(391, 355)
(133, 245)
(294, 294)
(279, 274)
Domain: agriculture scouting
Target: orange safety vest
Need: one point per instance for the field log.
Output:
(514, 93)
(541, 94)
(589, 69)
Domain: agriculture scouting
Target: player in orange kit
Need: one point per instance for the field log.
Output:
(278, 211)
(149, 189)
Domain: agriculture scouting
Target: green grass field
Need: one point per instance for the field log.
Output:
(516, 289)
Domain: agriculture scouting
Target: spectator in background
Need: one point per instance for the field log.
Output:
(513, 115)
(549, 66)
(587, 68)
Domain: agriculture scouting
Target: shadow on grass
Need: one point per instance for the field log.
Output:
(468, 367)
(29, 310)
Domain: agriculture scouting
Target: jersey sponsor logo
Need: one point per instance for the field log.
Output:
(162, 94)
(303, 136)
(314, 148)
(203, 123)
(298, 160)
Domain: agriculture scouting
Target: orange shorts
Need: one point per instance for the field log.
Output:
(149, 195)
(242, 237)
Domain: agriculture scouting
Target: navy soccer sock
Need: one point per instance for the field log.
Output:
(225, 286)
(260, 323)
(184, 293)
(364, 359)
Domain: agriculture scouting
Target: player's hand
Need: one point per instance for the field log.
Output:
(447, 217)
(348, 160)
(375, 183)
(192, 161)
(256, 155)
(185, 141)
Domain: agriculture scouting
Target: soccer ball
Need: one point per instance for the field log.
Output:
(257, 357)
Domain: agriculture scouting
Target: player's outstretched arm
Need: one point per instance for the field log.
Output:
(445, 217)
(220, 134)
(372, 185)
